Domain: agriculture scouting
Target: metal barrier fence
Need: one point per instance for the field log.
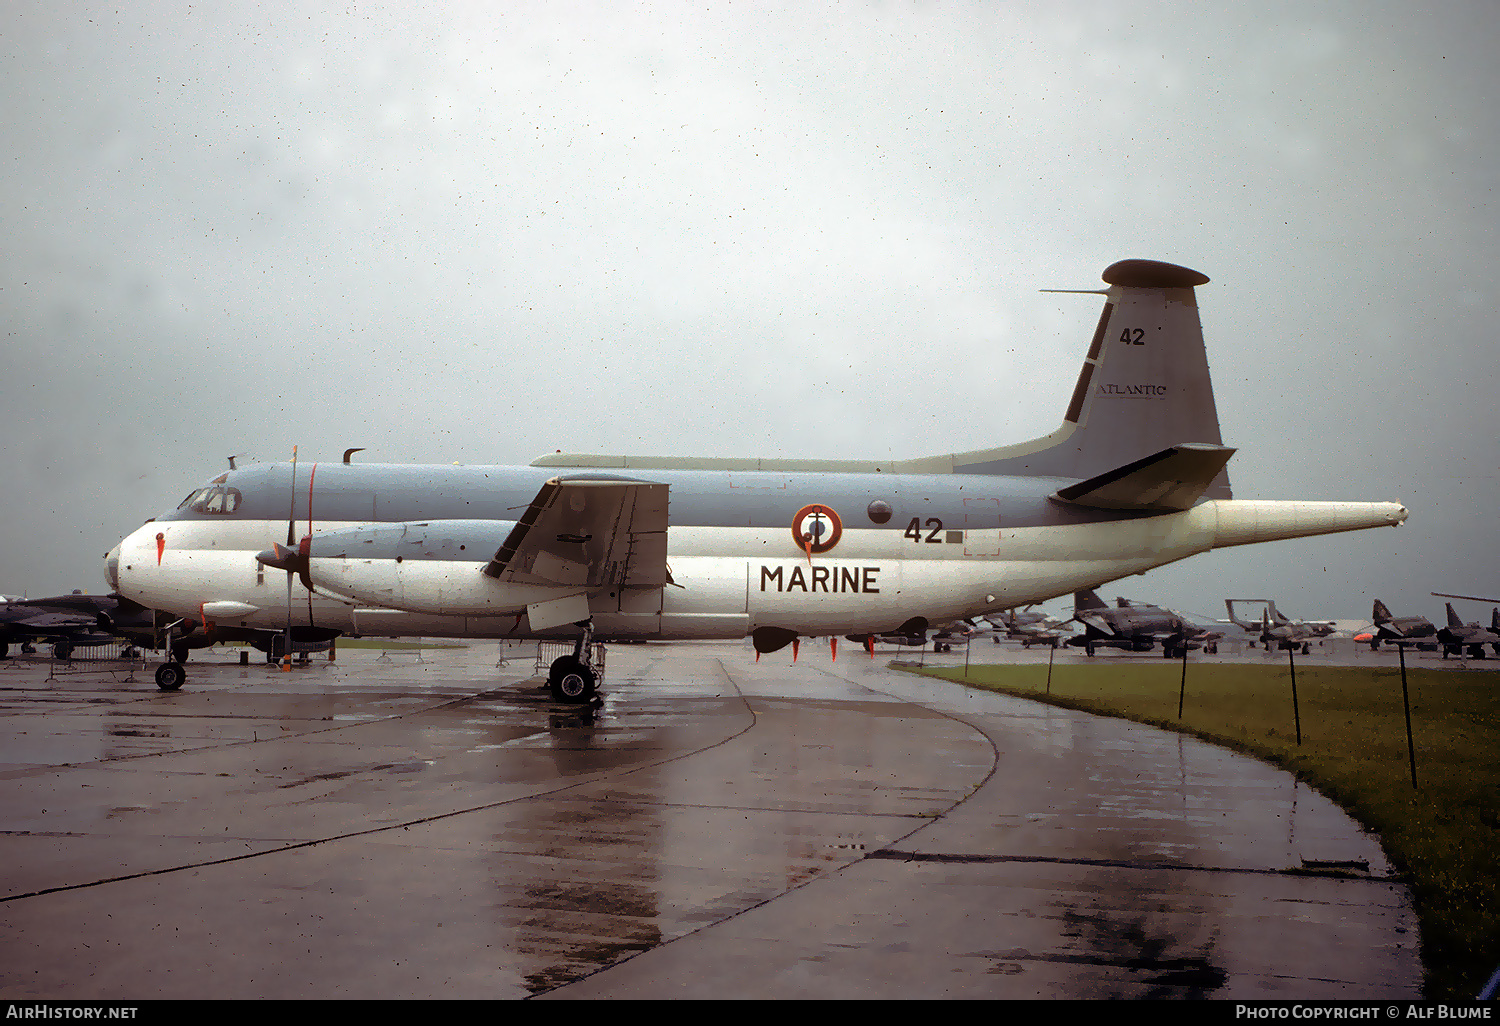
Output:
(114, 658)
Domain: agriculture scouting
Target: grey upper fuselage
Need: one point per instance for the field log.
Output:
(394, 493)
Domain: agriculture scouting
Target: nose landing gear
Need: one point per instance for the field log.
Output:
(169, 676)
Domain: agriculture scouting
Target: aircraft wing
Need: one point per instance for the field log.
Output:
(1167, 481)
(592, 533)
(55, 622)
(1096, 621)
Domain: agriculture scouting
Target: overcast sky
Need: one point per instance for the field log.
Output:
(484, 232)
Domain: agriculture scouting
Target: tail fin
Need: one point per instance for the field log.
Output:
(1088, 600)
(1248, 625)
(1144, 386)
(1495, 619)
(1381, 614)
(1453, 620)
(1143, 390)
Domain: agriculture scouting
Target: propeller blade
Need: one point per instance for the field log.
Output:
(291, 515)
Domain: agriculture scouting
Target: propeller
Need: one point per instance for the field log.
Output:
(294, 557)
(286, 659)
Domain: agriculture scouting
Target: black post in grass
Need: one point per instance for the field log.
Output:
(1050, 656)
(1296, 712)
(1411, 752)
(1182, 688)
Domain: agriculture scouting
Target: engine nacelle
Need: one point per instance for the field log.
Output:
(429, 566)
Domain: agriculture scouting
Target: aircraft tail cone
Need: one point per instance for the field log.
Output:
(1247, 522)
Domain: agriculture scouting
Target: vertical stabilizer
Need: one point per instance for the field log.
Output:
(1144, 385)
(1144, 389)
(1381, 614)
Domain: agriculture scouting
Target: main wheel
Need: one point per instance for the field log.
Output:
(571, 681)
(169, 676)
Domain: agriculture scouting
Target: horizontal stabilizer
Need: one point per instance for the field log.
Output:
(1166, 482)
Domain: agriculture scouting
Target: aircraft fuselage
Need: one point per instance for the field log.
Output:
(951, 546)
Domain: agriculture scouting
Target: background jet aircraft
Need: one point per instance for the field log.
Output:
(72, 621)
(961, 632)
(78, 620)
(1029, 627)
(1275, 629)
(1405, 628)
(1135, 626)
(1134, 478)
(1458, 636)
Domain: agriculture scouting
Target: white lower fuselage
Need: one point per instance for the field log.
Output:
(728, 581)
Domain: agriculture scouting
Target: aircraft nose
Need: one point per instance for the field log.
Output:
(112, 568)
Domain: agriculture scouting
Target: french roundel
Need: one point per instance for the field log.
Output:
(816, 528)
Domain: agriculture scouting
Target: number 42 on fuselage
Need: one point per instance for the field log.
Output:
(670, 548)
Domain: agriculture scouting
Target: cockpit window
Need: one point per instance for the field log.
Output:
(217, 500)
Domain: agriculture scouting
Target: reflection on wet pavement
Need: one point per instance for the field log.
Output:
(715, 827)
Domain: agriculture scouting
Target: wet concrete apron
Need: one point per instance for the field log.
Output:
(718, 828)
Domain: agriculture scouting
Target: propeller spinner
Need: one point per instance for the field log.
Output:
(292, 560)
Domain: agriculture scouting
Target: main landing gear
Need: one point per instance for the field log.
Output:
(574, 679)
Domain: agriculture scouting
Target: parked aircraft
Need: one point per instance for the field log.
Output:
(1458, 636)
(1279, 630)
(71, 621)
(1134, 478)
(955, 635)
(1405, 628)
(1028, 627)
(78, 620)
(1135, 626)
